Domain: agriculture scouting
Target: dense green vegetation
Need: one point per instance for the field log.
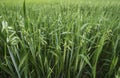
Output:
(57, 39)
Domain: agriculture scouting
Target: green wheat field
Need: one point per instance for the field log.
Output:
(60, 39)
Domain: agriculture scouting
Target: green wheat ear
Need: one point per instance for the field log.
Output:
(24, 8)
(25, 15)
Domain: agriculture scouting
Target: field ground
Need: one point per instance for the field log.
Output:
(60, 39)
